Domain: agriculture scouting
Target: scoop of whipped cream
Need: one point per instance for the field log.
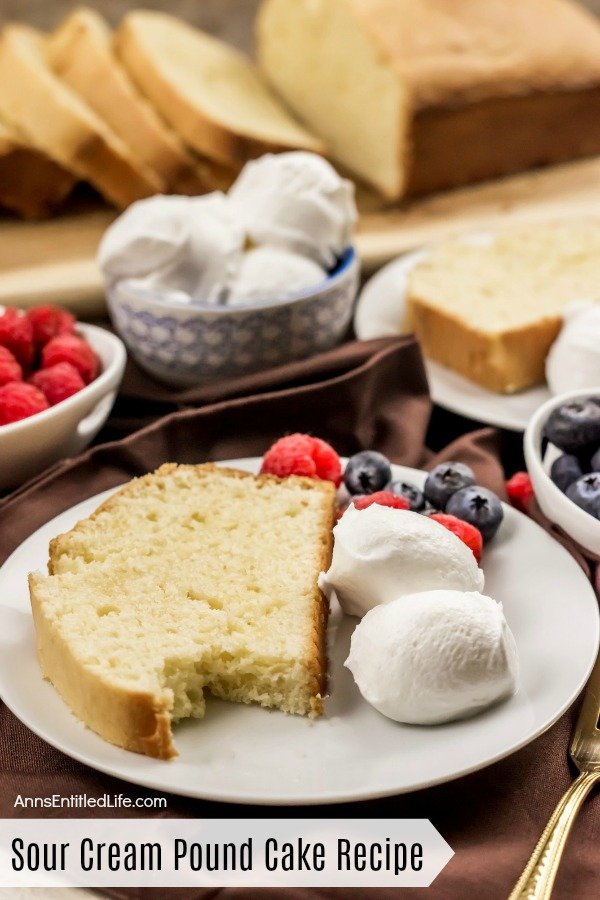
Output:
(149, 235)
(296, 201)
(573, 362)
(284, 224)
(380, 553)
(182, 246)
(272, 273)
(433, 657)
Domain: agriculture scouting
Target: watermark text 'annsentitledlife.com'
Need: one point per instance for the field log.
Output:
(83, 801)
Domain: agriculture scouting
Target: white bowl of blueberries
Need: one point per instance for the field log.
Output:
(562, 452)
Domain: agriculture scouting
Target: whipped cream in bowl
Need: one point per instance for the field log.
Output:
(296, 201)
(218, 286)
(273, 272)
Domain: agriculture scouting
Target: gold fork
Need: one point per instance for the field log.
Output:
(538, 878)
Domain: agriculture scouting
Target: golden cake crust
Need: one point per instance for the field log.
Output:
(141, 720)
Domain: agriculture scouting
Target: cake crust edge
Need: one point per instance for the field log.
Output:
(141, 721)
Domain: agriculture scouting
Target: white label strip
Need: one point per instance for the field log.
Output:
(220, 853)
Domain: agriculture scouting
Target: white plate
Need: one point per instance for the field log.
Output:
(250, 755)
(380, 313)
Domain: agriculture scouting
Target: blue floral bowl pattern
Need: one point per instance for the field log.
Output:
(195, 344)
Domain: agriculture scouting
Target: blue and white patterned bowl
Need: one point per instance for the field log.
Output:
(194, 344)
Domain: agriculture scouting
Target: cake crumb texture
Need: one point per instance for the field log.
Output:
(491, 309)
(190, 579)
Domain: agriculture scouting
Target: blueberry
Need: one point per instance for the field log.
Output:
(574, 426)
(585, 492)
(480, 507)
(596, 461)
(565, 470)
(409, 492)
(367, 472)
(445, 480)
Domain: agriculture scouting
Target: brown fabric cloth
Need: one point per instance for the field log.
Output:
(142, 399)
(364, 395)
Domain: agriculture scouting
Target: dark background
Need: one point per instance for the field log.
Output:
(231, 19)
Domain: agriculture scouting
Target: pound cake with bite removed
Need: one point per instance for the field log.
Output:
(189, 579)
(491, 309)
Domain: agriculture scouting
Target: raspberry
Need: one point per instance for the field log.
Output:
(383, 498)
(520, 491)
(16, 334)
(301, 454)
(48, 321)
(58, 382)
(72, 349)
(10, 370)
(328, 464)
(19, 400)
(467, 533)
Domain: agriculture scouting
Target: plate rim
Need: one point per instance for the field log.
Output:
(509, 422)
(325, 798)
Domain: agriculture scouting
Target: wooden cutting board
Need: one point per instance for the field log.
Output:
(54, 261)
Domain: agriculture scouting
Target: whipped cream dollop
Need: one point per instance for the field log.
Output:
(186, 247)
(296, 201)
(266, 273)
(573, 362)
(380, 553)
(435, 656)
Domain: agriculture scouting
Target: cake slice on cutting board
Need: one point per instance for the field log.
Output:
(191, 579)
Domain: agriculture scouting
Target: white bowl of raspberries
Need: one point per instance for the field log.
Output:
(58, 382)
(562, 452)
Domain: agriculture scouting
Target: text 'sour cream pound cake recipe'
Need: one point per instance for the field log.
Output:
(200, 580)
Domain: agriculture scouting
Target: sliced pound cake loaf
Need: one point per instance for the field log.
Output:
(491, 310)
(59, 123)
(191, 578)
(31, 183)
(80, 53)
(212, 95)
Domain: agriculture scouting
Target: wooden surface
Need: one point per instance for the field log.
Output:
(53, 261)
(572, 189)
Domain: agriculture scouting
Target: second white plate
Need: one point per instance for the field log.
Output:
(380, 313)
(246, 754)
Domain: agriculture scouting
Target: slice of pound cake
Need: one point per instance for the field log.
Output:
(189, 579)
(490, 309)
